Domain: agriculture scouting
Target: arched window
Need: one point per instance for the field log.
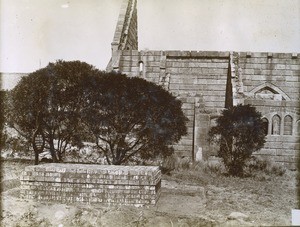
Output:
(266, 125)
(288, 125)
(276, 125)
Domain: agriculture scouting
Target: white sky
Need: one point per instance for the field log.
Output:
(36, 32)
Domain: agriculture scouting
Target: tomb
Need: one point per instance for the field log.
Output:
(107, 184)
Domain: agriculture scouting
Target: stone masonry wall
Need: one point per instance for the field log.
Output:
(196, 78)
(69, 183)
(206, 82)
(199, 80)
(282, 147)
(280, 69)
(271, 83)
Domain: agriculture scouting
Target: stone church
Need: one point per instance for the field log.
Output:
(208, 81)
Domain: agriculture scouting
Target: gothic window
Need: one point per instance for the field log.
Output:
(288, 125)
(276, 125)
(266, 125)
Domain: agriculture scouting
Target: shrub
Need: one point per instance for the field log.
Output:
(257, 163)
(214, 167)
(168, 164)
(172, 162)
(263, 167)
(276, 169)
(239, 132)
(184, 163)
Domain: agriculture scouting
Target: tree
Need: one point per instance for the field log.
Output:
(131, 118)
(240, 132)
(49, 101)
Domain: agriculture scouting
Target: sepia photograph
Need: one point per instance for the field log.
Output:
(150, 113)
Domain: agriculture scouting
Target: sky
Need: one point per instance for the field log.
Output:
(36, 32)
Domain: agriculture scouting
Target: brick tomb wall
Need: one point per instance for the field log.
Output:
(68, 183)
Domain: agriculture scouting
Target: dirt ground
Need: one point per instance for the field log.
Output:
(188, 199)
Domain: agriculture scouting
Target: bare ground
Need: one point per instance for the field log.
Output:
(189, 198)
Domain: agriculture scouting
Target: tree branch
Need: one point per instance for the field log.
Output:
(104, 151)
(133, 153)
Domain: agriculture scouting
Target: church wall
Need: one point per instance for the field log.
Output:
(208, 81)
(282, 145)
(198, 79)
(271, 83)
(280, 69)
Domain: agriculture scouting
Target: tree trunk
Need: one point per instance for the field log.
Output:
(36, 157)
(52, 151)
(59, 156)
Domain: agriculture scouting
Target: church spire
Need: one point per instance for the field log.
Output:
(126, 37)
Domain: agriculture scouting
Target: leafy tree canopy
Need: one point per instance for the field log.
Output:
(50, 99)
(240, 132)
(68, 102)
(133, 118)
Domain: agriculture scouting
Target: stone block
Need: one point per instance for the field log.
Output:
(249, 71)
(259, 54)
(285, 152)
(176, 53)
(270, 55)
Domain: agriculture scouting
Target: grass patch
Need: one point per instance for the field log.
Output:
(257, 168)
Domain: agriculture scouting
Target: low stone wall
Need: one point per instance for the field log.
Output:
(68, 183)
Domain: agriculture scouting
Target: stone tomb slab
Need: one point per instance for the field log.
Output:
(107, 184)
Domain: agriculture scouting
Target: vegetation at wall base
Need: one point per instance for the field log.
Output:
(239, 132)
